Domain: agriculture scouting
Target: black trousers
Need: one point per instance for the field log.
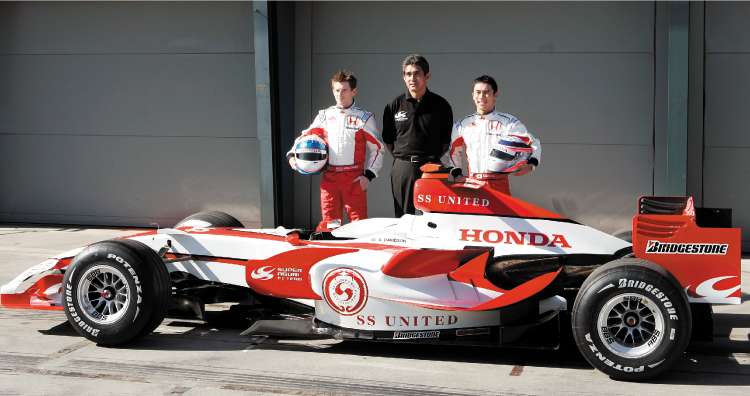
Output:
(403, 175)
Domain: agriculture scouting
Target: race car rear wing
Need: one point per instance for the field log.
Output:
(697, 245)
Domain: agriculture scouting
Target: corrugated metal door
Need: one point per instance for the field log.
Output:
(126, 113)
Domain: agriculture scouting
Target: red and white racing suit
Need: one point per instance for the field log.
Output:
(472, 140)
(354, 149)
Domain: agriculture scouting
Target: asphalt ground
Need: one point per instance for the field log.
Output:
(41, 354)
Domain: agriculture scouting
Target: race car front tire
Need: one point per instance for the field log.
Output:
(631, 320)
(116, 291)
(210, 219)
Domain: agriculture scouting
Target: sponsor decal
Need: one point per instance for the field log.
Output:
(137, 281)
(74, 314)
(654, 291)
(406, 321)
(289, 274)
(138, 288)
(388, 240)
(610, 363)
(654, 338)
(656, 247)
(345, 291)
(400, 116)
(310, 150)
(93, 274)
(453, 200)
(494, 125)
(415, 335)
(352, 122)
(283, 273)
(708, 291)
(262, 273)
(509, 237)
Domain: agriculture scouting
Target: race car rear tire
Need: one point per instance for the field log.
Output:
(631, 319)
(116, 291)
(210, 219)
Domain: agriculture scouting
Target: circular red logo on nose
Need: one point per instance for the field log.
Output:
(345, 291)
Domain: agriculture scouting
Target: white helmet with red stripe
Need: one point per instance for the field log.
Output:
(310, 154)
(509, 153)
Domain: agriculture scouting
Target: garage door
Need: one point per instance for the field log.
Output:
(126, 113)
(580, 75)
(727, 141)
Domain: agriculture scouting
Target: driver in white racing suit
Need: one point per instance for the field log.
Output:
(474, 137)
(355, 154)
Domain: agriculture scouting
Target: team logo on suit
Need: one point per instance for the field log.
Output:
(494, 125)
(352, 122)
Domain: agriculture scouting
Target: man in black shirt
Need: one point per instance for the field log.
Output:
(416, 129)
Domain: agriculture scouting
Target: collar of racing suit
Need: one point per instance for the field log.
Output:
(346, 108)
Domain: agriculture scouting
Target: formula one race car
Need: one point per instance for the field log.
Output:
(477, 267)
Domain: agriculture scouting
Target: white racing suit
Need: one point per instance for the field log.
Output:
(472, 140)
(354, 149)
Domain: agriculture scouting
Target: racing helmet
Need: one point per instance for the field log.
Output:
(509, 153)
(311, 154)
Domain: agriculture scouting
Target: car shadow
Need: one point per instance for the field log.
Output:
(703, 365)
(177, 335)
(62, 329)
(193, 335)
(722, 362)
(561, 358)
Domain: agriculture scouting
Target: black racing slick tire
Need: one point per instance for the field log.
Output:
(631, 319)
(210, 219)
(116, 291)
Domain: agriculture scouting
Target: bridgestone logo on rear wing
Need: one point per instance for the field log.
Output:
(656, 247)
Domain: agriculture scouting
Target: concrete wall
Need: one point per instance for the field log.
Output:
(126, 113)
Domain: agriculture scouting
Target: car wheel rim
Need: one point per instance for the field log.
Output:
(631, 325)
(103, 294)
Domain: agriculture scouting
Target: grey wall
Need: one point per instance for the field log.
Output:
(126, 113)
(727, 94)
(580, 75)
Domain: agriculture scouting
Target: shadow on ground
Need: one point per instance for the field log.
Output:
(706, 363)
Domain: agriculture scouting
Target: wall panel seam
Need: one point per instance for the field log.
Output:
(485, 52)
(125, 135)
(45, 53)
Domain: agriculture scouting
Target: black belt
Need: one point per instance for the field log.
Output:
(417, 159)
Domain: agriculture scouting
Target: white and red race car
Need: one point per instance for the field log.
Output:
(477, 267)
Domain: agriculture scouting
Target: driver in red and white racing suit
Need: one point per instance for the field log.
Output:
(474, 137)
(355, 154)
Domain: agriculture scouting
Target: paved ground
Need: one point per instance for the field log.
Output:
(41, 354)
